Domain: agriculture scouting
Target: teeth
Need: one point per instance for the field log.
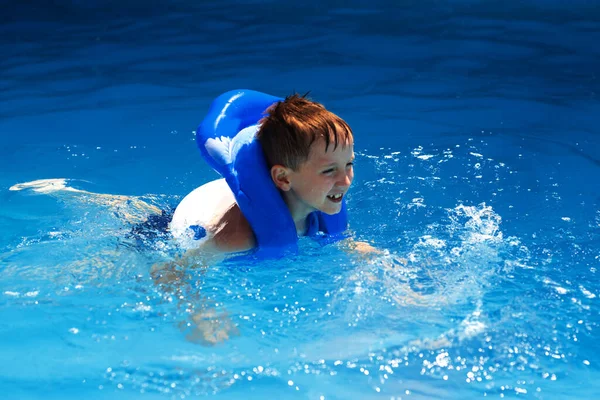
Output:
(335, 196)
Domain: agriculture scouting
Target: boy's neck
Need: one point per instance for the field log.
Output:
(298, 210)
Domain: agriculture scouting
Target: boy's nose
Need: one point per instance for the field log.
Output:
(345, 179)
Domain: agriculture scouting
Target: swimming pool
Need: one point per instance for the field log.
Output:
(478, 156)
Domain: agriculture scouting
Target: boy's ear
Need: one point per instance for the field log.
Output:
(281, 177)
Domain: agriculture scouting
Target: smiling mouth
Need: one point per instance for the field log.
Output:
(336, 198)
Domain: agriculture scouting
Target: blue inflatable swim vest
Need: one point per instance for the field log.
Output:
(226, 138)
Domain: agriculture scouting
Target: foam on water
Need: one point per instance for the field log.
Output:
(450, 297)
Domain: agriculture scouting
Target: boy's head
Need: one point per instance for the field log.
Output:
(290, 127)
(310, 153)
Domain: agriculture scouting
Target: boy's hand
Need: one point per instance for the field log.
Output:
(366, 248)
(208, 328)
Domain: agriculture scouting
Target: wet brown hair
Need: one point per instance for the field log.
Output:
(292, 125)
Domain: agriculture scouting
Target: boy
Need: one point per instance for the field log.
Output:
(309, 153)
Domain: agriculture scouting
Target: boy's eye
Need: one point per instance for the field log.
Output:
(328, 171)
(350, 164)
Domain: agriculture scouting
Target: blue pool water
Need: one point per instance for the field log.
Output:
(478, 156)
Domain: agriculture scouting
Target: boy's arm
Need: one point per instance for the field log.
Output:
(231, 234)
(205, 325)
(227, 239)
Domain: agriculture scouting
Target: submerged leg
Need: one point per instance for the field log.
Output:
(132, 209)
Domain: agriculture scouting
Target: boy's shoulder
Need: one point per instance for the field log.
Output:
(213, 207)
(231, 232)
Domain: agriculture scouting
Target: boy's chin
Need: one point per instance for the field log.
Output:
(331, 210)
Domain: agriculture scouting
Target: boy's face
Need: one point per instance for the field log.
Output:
(321, 182)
